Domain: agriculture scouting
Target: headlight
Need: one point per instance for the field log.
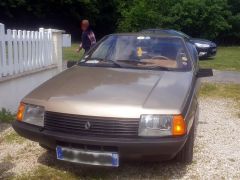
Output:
(161, 125)
(202, 45)
(31, 114)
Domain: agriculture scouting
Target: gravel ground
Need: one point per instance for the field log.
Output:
(216, 153)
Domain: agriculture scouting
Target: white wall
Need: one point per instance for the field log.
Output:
(14, 89)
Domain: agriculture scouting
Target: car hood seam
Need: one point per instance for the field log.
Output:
(154, 86)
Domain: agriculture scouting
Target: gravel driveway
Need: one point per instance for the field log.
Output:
(216, 153)
(223, 77)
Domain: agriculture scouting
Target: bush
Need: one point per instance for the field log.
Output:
(212, 19)
(6, 116)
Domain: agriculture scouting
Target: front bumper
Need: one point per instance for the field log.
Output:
(146, 148)
(207, 52)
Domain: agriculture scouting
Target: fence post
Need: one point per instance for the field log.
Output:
(3, 59)
(41, 47)
(57, 48)
(25, 62)
(33, 50)
(20, 52)
(37, 48)
(10, 51)
(1, 39)
(50, 46)
(15, 52)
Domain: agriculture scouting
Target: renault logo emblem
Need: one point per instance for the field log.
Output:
(87, 125)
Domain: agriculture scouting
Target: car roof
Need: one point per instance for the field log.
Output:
(163, 31)
(159, 29)
(166, 32)
(148, 34)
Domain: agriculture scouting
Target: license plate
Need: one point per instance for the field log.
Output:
(214, 50)
(87, 157)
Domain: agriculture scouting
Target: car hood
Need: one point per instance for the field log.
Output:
(113, 92)
(203, 41)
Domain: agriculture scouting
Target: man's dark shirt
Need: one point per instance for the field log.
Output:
(86, 43)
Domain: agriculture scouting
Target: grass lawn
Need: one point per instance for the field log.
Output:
(70, 54)
(218, 90)
(228, 58)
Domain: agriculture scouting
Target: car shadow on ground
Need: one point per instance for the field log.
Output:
(130, 170)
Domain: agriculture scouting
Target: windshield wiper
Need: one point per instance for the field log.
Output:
(105, 60)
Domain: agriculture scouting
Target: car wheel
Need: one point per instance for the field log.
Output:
(186, 153)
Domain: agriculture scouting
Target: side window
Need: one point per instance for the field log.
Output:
(104, 49)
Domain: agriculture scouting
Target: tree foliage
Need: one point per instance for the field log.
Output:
(204, 18)
(213, 19)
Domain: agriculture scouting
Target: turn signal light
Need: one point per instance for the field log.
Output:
(20, 112)
(179, 126)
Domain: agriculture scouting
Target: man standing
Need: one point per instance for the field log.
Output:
(88, 37)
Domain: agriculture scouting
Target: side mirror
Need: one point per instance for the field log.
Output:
(71, 63)
(204, 73)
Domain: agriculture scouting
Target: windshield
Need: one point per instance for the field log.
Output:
(145, 52)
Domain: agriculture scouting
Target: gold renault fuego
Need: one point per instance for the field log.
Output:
(131, 96)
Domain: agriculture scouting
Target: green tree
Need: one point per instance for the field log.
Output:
(145, 14)
(214, 19)
(233, 35)
(206, 18)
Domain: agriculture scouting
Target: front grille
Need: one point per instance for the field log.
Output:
(91, 126)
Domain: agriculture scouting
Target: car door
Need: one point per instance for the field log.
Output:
(195, 87)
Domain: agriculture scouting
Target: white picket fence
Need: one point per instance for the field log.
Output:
(22, 51)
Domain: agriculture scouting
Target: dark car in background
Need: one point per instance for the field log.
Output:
(204, 47)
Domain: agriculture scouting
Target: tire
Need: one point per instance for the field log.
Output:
(186, 153)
